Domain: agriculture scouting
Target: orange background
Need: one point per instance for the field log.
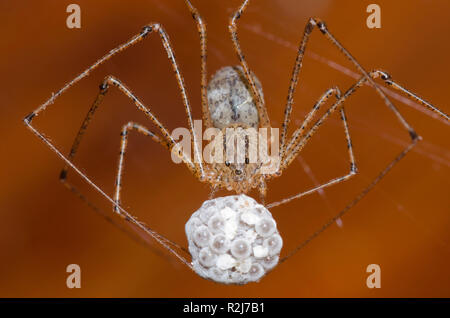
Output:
(403, 224)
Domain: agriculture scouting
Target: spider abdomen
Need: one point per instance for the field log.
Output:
(230, 98)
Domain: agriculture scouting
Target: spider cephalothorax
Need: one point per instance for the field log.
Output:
(238, 167)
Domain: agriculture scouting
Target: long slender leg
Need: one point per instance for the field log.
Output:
(299, 139)
(321, 192)
(232, 27)
(166, 139)
(201, 27)
(123, 147)
(100, 212)
(353, 169)
(314, 22)
(354, 201)
(135, 39)
(124, 214)
(180, 81)
(166, 142)
(388, 81)
(63, 175)
(300, 131)
(135, 235)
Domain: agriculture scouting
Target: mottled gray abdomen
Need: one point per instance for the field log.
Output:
(230, 98)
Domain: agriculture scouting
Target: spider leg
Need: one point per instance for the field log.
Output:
(353, 169)
(299, 132)
(180, 81)
(124, 214)
(135, 235)
(123, 147)
(212, 192)
(314, 22)
(388, 81)
(299, 139)
(124, 133)
(168, 141)
(102, 213)
(201, 27)
(391, 83)
(135, 39)
(354, 201)
(262, 191)
(232, 28)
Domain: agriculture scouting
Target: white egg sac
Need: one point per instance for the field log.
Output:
(233, 240)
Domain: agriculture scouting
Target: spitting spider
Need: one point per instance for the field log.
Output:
(234, 98)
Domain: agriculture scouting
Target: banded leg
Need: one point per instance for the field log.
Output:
(353, 168)
(201, 28)
(300, 139)
(180, 81)
(388, 81)
(166, 139)
(358, 198)
(391, 83)
(322, 100)
(135, 39)
(314, 22)
(135, 234)
(123, 147)
(166, 142)
(232, 28)
(124, 214)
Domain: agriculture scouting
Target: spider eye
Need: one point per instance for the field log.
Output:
(227, 163)
(247, 161)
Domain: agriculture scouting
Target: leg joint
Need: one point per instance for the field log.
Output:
(319, 23)
(27, 120)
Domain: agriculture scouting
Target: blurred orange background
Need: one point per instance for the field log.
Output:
(403, 224)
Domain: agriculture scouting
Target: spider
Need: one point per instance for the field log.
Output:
(241, 105)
